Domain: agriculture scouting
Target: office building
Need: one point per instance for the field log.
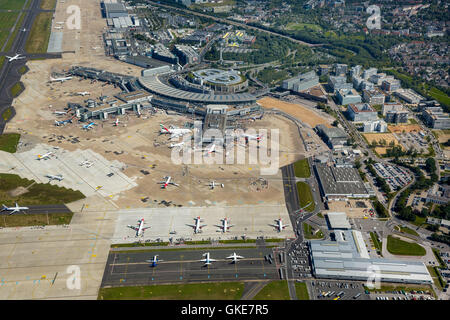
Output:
(361, 112)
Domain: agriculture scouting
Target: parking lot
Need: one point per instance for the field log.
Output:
(412, 140)
(395, 177)
(402, 295)
(299, 261)
(337, 290)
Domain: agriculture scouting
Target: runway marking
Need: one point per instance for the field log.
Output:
(181, 261)
(190, 271)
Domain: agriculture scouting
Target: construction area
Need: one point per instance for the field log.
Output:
(361, 208)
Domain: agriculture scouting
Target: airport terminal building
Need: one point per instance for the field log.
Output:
(347, 258)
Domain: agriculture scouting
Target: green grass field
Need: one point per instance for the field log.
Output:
(26, 220)
(14, 33)
(376, 243)
(7, 20)
(38, 193)
(301, 290)
(438, 282)
(301, 169)
(40, 33)
(439, 96)
(310, 232)
(305, 196)
(9, 141)
(400, 247)
(275, 290)
(16, 89)
(303, 26)
(11, 4)
(408, 230)
(6, 115)
(191, 291)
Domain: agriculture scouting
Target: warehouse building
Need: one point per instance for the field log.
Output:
(333, 137)
(340, 183)
(347, 258)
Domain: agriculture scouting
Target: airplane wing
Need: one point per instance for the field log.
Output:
(133, 227)
(146, 228)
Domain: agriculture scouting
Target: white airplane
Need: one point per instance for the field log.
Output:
(154, 261)
(14, 209)
(197, 226)
(235, 257)
(44, 156)
(58, 27)
(207, 260)
(210, 150)
(174, 132)
(140, 228)
(88, 126)
(176, 145)
(59, 79)
(225, 226)
(86, 163)
(83, 93)
(16, 57)
(247, 137)
(213, 184)
(116, 123)
(58, 177)
(59, 112)
(167, 182)
(280, 226)
(62, 22)
(63, 122)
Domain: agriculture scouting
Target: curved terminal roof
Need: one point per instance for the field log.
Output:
(153, 84)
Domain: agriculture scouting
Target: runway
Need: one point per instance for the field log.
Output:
(183, 266)
(9, 72)
(44, 209)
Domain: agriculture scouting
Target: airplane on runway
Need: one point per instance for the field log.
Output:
(280, 226)
(83, 93)
(16, 57)
(14, 209)
(207, 260)
(166, 183)
(197, 226)
(63, 122)
(225, 226)
(59, 79)
(176, 145)
(213, 184)
(154, 261)
(140, 228)
(235, 257)
(88, 126)
(58, 177)
(302, 209)
(174, 132)
(44, 156)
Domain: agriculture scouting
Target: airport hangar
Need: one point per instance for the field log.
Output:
(347, 258)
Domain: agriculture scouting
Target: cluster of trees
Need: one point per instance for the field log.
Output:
(380, 181)
(380, 209)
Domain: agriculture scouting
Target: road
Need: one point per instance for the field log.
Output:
(234, 23)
